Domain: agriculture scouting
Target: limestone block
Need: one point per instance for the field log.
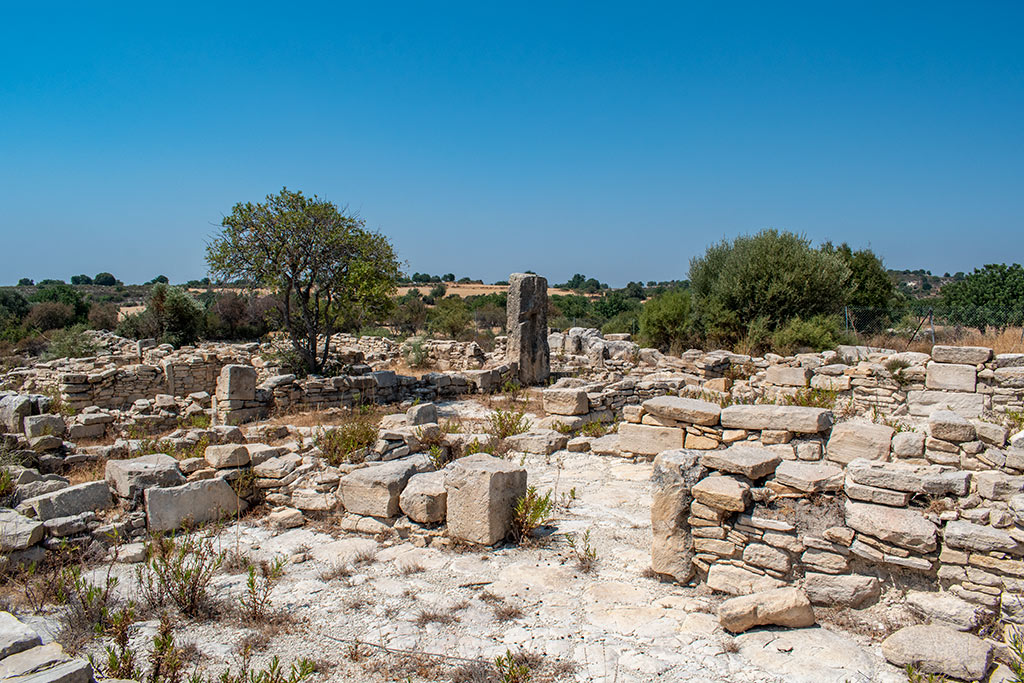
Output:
(939, 649)
(425, 499)
(18, 532)
(780, 607)
(687, 410)
(674, 475)
(792, 418)
(859, 439)
(723, 493)
(781, 375)
(375, 490)
(227, 455)
(129, 478)
(951, 377)
(71, 500)
(949, 426)
(482, 491)
(196, 502)
(527, 327)
(900, 526)
(566, 402)
(810, 477)
(843, 590)
(752, 462)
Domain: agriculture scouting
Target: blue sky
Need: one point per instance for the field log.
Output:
(613, 139)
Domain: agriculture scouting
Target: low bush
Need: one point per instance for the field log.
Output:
(342, 444)
(71, 342)
(179, 570)
(817, 333)
(529, 513)
(503, 423)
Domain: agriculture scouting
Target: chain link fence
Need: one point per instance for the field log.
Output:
(912, 326)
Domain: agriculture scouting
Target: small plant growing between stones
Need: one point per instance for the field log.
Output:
(120, 661)
(510, 670)
(916, 676)
(438, 457)
(529, 513)
(256, 600)
(811, 398)
(345, 443)
(179, 570)
(503, 423)
(583, 550)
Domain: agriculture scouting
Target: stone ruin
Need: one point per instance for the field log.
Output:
(906, 492)
(528, 327)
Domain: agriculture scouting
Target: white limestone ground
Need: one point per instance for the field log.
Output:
(613, 623)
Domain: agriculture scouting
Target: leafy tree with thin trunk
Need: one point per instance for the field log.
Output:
(328, 270)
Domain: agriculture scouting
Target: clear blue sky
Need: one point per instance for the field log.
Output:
(613, 139)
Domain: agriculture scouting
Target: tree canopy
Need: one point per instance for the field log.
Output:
(330, 272)
(993, 295)
(771, 277)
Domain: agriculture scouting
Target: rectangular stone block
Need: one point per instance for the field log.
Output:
(482, 491)
(781, 375)
(951, 377)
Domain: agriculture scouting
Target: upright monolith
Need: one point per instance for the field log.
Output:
(528, 327)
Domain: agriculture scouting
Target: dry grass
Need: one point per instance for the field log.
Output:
(507, 612)
(1007, 340)
(87, 471)
(436, 616)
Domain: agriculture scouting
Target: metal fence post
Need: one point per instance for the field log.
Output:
(931, 323)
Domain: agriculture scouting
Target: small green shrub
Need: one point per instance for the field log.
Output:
(415, 354)
(583, 550)
(510, 670)
(812, 398)
(818, 333)
(179, 570)
(71, 342)
(503, 423)
(529, 513)
(340, 444)
(255, 601)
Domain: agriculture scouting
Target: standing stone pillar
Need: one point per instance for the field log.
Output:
(528, 327)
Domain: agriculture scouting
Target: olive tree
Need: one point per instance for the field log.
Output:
(327, 269)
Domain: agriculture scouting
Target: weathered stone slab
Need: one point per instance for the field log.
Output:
(939, 649)
(734, 580)
(566, 402)
(425, 499)
(924, 403)
(949, 426)
(128, 478)
(674, 475)
(810, 477)
(946, 608)
(18, 532)
(196, 502)
(780, 607)
(44, 664)
(13, 410)
(934, 480)
(792, 418)
(375, 490)
(482, 491)
(236, 383)
(899, 526)
(951, 377)
(227, 455)
(15, 636)
(781, 375)
(859, 439)
(985, 539)
(845, 590)
(72, 500)
(421, 414)
(752, 462)
(648, 440)
(540, 441)
(44, 425)
(970, 355)
(688, 410)
(723, 493)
